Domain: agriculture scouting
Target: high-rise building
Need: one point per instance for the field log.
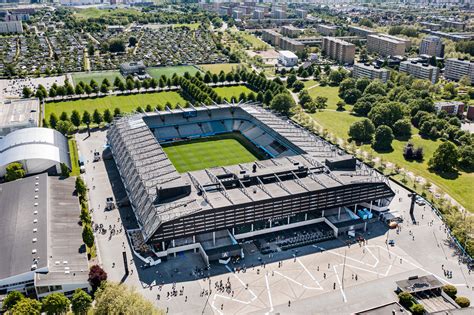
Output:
(279, 14)
(361, 31)
(339, 50)
(420, 71)
(326, 30)
(301, 13)
(287, 43)
(290, 31)
(371, 72)
(432, 46)
(385, 46)
(271, 37)
(258, 14)
(455, 69)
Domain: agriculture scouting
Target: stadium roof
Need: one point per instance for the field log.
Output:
(40, 144)
(146, 169)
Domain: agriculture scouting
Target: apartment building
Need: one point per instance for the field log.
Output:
(271, 37)
(301, 13)
(384, 46)
(454, 24)
(279, 14)
(361, 31)
(290, 31)
(290, 44)
(371, 72)
(450, 107)
(339, 50)
(326, 30)
(432, 46)
(258, 14)
(455, 69)
(11, 27)
(431, 26)
(420, 71)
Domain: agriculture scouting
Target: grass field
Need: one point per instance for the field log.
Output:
(126, 103)
(98, 77)
(228, 91)
(74, 155)
(331, 92)
(192, 26)
(459, 185)
(218, 67)
(97, 13)
(169, 71)
(222, 150)
(256, 42)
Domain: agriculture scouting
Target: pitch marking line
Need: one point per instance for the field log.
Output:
(269, 295)
(340, 285)
(309, 273)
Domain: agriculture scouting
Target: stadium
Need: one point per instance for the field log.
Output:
(208, 178)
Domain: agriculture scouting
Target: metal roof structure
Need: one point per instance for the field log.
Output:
(147, 172)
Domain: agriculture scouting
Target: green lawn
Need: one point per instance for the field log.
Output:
(256, 42)
(309, 83)
(74, 156)
(169, 71)
(126, 103)
(331, 92)
(86, 77)
(192, 26)
(223, 150)
(228, 91)
(218, 67)
(97, 13)
(458, 186)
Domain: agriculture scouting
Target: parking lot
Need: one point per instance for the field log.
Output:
(330, 277)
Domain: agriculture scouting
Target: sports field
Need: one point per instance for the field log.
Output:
(218, 67)
(98, 77)
(126, 103)
(222, 150)
(157, 72)
(228, 92)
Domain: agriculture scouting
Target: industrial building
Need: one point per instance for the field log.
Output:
(37, 149)
(40, 240)
(432, 46)
(341, 51)
(287, 58)
(369, 71)
(455, 69)
(385, 46)
(420, 71)
(304, 181)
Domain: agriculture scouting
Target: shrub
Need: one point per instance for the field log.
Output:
(405, 298)
(463, 301)
(14, 171)
(450, 290)
(418, 309)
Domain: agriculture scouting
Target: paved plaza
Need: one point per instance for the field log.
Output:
(332, 277)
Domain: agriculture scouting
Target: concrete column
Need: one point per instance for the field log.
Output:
(251, 227)
(370, 209)
(306, 216)
(174, 245)
(233, 231)
(322, 214)
(365, 226)
(355, 209)
(339, 214)
(288, 219)
(270, 224)
(194, 238)
(214, 238)
(163, 245)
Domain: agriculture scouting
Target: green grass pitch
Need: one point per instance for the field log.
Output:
(222, 150)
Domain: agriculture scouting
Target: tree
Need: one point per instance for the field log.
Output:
(336, 77)
(466, 153)
(418, 309)
(86, 118)
(27, 306)
(462, 301)
(267, 97)
(386, 113)
(116, 45)
(80, 302)
(96, 276)
(402, 128)
(119, 299)
(132, 41)
(65, 127)
(351, 96)
(76, 118)
(376, 87)
(88, 236)
(321, 102)
(64, 116)
(291, 79)
(53, 120)
(108, 116)
(450, 290)
(341, 106)
(117, 112)
(304, 98)
(298, 86)
(14, 171)
(362, 130)
(383, 138)
(79, 89)
(11, 299)
(27, 92)
(97, 117)
(104, 89)
(55, 303)
(445, 158)
(283, 103)
(80, 186)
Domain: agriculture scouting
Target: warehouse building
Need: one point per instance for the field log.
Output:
(371, 72)
(40, 240)
(37, 149)
(341, 51)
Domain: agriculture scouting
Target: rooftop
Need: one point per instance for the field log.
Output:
(17, 113)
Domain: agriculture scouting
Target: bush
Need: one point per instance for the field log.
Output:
(418, 309)
(450, 290)
(405, 298)
(96, 276)
(402, 128)
(14, 171)
(462, 301)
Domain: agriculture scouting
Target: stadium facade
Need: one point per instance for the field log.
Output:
(304, 180)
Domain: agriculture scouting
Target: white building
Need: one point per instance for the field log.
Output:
(18, 114)
(37, 149)
(420, 71)
(371, 72)
(287, 58)
(455, 69)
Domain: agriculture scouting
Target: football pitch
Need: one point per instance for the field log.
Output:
(222, 150)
